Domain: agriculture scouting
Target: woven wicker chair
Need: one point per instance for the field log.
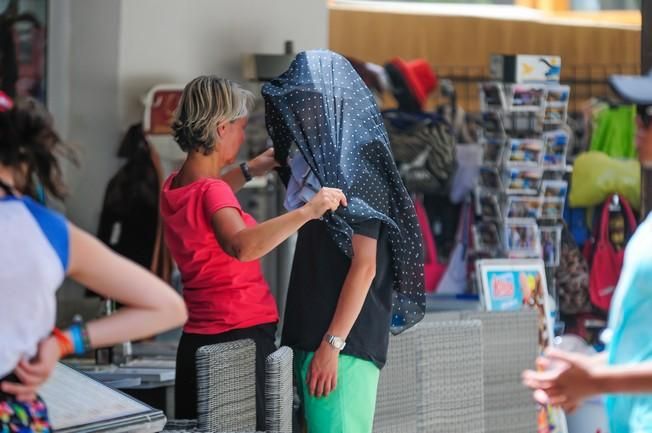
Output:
(181, 425)
(195, 431)
(450, 377)
(510, 343)
(190, 426)
(433, 380)
(510, 346)
(396, 401)
(279, 391)
(226, 389)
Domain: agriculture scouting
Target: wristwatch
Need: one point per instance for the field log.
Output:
(337, 342)
(245, 171)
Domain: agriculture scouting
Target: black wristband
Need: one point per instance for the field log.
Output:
(244, 167)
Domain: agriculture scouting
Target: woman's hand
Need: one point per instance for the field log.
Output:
(263, 163)
(32, 374)
(322, 372)
(327, 199)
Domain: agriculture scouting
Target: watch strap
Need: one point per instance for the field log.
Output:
(337, 342)
(246, 172)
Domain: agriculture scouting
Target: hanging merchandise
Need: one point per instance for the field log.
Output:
(596, 176)
(433, 269)
(424, 149)
(373, 75)
(412, 83)
(576, 222)
(572, 277)
(455, 279)
(614, 129)
(130, 220)
(605, 258)
(469, 160)
(444, 217)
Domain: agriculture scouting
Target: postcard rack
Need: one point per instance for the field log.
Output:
(521, 192)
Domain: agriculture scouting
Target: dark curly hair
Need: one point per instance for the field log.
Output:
(30, 144)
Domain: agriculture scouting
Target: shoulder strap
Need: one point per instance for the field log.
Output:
(629, 214)
(603, 230)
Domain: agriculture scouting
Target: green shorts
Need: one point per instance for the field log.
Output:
(350, 407)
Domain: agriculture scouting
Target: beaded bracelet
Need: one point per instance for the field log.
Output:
(79, 338)
(66, 346)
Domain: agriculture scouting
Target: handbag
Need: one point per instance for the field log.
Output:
(572, 277)
(606, 260)
(433, 270)
(424, 148)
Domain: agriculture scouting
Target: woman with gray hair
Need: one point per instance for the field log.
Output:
(216, 245)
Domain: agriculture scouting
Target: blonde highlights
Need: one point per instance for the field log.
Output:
(206, 103)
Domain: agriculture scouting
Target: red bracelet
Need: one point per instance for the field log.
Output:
(66, 346)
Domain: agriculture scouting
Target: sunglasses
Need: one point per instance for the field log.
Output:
(644, 112)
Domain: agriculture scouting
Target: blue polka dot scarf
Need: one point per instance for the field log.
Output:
(322, 105)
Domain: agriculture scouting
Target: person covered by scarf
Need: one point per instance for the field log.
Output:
(358, 271)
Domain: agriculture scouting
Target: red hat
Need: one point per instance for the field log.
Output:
(419, 76)
(6, 103)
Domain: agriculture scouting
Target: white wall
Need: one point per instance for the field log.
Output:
(105, 54)
(58, 64)
(82, 89)
(93, 122)
(174, 41)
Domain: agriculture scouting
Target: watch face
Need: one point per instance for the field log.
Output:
(337, 342)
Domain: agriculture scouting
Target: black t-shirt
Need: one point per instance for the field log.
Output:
(318, 274)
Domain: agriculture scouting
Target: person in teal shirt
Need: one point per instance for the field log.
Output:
(624, 371)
